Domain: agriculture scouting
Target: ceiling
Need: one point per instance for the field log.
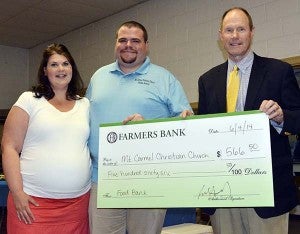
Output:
(27, 23)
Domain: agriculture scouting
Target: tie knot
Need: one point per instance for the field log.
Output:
(235, 68)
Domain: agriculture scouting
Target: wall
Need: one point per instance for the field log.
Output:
(183, 36)
(13, 74)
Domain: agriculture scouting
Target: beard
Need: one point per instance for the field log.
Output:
(128, 59)
(128, 55)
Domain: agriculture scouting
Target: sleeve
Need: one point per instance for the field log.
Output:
(86, 103)
(88, 92)
(202, 107)
(291, 102)
(25, 102)
(177, 97)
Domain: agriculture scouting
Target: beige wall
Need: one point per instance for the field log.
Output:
(13, 74)
(183, 36)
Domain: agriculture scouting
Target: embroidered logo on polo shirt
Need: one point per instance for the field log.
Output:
(144, 81)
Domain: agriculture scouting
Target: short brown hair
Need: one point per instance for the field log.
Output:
(130, 24)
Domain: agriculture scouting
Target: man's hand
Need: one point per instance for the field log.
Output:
(134, 117)
(186, 113)
(273, 110)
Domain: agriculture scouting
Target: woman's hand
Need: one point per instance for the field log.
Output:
(22, 201)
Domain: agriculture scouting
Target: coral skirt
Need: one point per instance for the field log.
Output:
(52, 216)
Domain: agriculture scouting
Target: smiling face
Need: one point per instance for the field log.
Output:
(236, 34)
(131, 48)
(58, 71)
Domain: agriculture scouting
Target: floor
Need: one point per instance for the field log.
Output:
(294, 225)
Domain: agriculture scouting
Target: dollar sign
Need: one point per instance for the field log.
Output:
(218, 153)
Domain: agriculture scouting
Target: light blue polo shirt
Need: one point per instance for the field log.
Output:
(151, 91)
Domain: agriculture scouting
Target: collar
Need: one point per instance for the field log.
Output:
(244, 64)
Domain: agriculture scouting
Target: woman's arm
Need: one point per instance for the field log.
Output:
(14, 132)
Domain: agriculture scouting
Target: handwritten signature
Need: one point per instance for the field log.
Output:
(222, 192)
(213, 190)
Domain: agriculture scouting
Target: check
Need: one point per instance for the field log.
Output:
(221, 160)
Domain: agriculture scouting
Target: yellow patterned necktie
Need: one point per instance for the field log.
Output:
(233, 89)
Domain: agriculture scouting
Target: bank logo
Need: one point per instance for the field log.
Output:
(112, 137)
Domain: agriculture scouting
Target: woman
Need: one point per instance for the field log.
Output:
(45, 155)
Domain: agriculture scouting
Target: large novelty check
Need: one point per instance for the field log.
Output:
(221, 160)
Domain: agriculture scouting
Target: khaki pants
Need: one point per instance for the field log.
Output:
(117, 221)
(246, 221)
